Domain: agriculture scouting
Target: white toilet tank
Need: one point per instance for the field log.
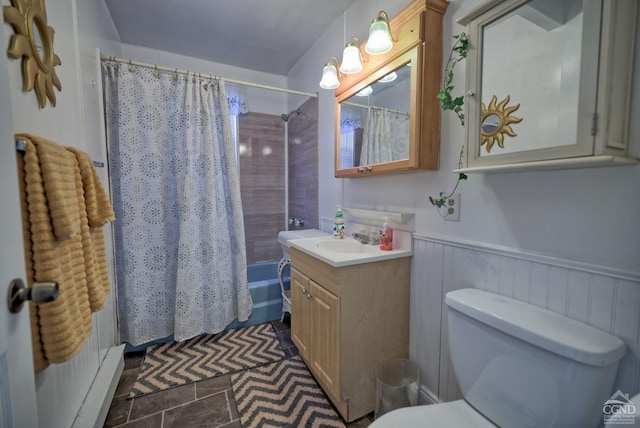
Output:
(523, 366)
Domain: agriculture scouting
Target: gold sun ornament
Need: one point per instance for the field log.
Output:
(33, 42)
(496, 121)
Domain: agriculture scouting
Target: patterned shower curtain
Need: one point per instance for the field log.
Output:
(179, 233)
(386, 136)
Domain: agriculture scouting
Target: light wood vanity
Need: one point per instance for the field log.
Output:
(347, 320)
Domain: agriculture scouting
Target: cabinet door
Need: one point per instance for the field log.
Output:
(300, 312)
(325, 334)
(564, 94)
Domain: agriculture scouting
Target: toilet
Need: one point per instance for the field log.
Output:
(519, 365)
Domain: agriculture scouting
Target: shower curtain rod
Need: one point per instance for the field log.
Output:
(237, 82)
(381, 108)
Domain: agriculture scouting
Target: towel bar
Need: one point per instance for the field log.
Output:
(22, 144)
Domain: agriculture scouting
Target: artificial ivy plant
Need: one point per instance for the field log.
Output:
(448, 102)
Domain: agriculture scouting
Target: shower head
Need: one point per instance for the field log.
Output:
(297, 111)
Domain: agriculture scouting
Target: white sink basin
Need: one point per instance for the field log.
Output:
(341, 246)
(348, 251)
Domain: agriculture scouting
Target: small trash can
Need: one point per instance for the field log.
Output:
(397, 385)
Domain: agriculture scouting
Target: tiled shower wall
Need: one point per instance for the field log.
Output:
(303, 165)
(262, 176)
(606, 298)
(262, 183)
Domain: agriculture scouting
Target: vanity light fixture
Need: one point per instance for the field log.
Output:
(389, 77)
(365, 92)
(351, 57)
(380, 39)
(330, 74)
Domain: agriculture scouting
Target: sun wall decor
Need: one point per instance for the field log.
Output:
(33, 42)
(496, 121)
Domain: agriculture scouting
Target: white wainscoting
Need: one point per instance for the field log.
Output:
(606, 298)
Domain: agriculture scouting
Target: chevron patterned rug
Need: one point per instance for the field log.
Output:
(177, 363)
(282, 394)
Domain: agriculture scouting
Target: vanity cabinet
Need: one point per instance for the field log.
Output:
(346, 321)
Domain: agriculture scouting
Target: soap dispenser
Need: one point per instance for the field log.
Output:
(338, 226)
(386, 236)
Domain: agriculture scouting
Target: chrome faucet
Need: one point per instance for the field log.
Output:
(366, 238)
(361, 237)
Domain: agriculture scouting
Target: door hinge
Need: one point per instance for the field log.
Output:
(594, 124)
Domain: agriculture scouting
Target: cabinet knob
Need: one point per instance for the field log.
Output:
(308, 296)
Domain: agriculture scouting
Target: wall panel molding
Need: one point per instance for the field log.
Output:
(604, 297)
(535, 257)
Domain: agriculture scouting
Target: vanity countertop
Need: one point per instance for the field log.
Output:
(348, 251)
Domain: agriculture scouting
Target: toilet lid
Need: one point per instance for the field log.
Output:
(457, 414)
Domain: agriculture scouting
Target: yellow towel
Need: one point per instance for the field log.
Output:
(56, 162)
(99, 209)
(54, 253)
(93, 200)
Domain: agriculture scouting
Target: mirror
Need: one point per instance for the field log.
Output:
(376, 119)
(38, 45)
(496, 121)
(531, 55)
(374, 123)
(33, 42)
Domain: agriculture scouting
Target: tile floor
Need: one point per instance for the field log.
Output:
(208, 403)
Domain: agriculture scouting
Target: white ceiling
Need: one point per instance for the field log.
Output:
(263, 35)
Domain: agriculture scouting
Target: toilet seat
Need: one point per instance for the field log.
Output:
(457, 414)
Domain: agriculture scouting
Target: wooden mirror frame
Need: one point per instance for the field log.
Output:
(418, 31)
(38, 69)
(413, 57)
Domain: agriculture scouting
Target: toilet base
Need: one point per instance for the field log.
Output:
(457, 414)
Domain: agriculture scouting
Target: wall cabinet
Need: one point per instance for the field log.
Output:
(405, 105)
(347, 320)
(549, 83)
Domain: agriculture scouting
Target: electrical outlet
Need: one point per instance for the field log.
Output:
(452, 207)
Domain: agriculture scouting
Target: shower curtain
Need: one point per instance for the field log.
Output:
(179, 233)
(386, 136)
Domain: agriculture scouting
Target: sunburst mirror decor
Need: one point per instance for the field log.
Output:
(33, 42)
(496, 121)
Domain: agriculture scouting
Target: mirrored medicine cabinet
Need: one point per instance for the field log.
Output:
(388, 116)
(548, 84)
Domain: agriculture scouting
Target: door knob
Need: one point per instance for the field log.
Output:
(41, 292)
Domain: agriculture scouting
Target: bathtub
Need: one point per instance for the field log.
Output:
(265, 293)
(264, 288)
